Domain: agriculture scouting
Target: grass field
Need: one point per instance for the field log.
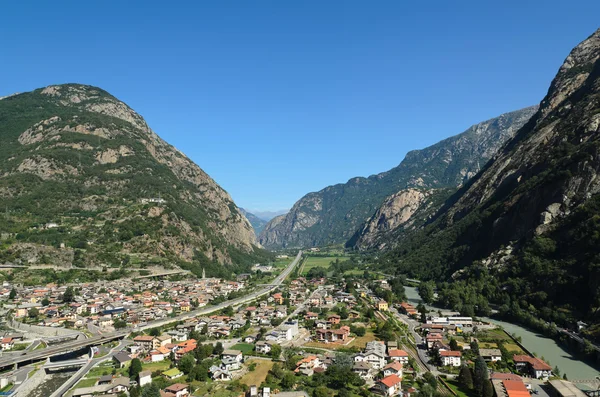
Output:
(281, 263)
(318, 261)
(86, 382)
(460, 392)
(257, 376)
(514, 348)
(162, 366)
(245, 348)
(361, 341)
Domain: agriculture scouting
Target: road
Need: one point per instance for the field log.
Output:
(50, 351)
(73, 380)
(419, 341)
(96, 340)
(235, 302)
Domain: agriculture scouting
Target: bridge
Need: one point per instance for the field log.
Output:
(162, 274)
(64, 348)
(66, 364)
(60, 339)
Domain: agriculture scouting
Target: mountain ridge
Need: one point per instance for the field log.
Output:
(333, 214)
(97, 169)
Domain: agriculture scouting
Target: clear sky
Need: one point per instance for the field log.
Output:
(275, 99)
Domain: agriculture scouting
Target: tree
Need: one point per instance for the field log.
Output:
(186, 363)
(556, 371)
(151, 390)
(474, 347)
(275, 351)
(429, 378)
(465, 378)
(423, 310)
(453, 344)
(135, 368)
(228, 311)
(154, 332)
(69, 295)
(277, 371)
(321, 391)
(288, 380)
(119, 324)
(34, 312)
(426, 292)
(218, 349)
(344, 393)
(45, 302)
(480, 375)
(135, 391)
(13, 294)
(488, 390)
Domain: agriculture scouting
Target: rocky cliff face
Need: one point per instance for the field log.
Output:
(400, 213)
(75, 157)
(525, 231)
(334, 214)
(552, 164)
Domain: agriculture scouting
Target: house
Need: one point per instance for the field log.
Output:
(333, 319)
(145, 342)
(333, 335)
(311, 316)
(122, 359)
(230, 364)
(382, 305)
(250, 338)
(263, 347)
(534, 366)
(235, 354)
(105, 380)
(307, 365)
(491, 354)
(363, 369)
(7, 343)
(156, 356)
(178, 390)
(390, 385)
(144, 378)
(408, 309)
(432, 338)
(450, 358)
(393, 368)
(220, 374)
(172, 373)
(118, 385)
(398, 355)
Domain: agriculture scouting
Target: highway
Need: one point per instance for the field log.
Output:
(50, 351)
(235, 302)
(42, 354)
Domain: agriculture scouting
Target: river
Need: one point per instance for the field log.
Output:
(535, 342)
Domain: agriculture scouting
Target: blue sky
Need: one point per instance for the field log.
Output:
(275, 99)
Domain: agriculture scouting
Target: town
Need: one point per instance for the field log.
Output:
(309, 335)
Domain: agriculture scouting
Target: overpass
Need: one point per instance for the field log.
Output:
(42, 354)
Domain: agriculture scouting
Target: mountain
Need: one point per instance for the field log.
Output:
(335, 213)
(85, 182)
(524, 233)
(268, 215)
(258, 224)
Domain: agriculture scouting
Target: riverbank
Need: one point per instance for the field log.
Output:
(534, 342)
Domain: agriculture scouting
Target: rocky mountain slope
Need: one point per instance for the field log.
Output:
(257, 223)
(335, 213)
(84, 181)
(528, 226)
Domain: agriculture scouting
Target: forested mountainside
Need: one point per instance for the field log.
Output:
(334, 214)
(85, 182)
(524, 233)
(257, 224)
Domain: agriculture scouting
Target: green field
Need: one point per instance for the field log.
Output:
(245, 348)
(318, 261)
(460, 392)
